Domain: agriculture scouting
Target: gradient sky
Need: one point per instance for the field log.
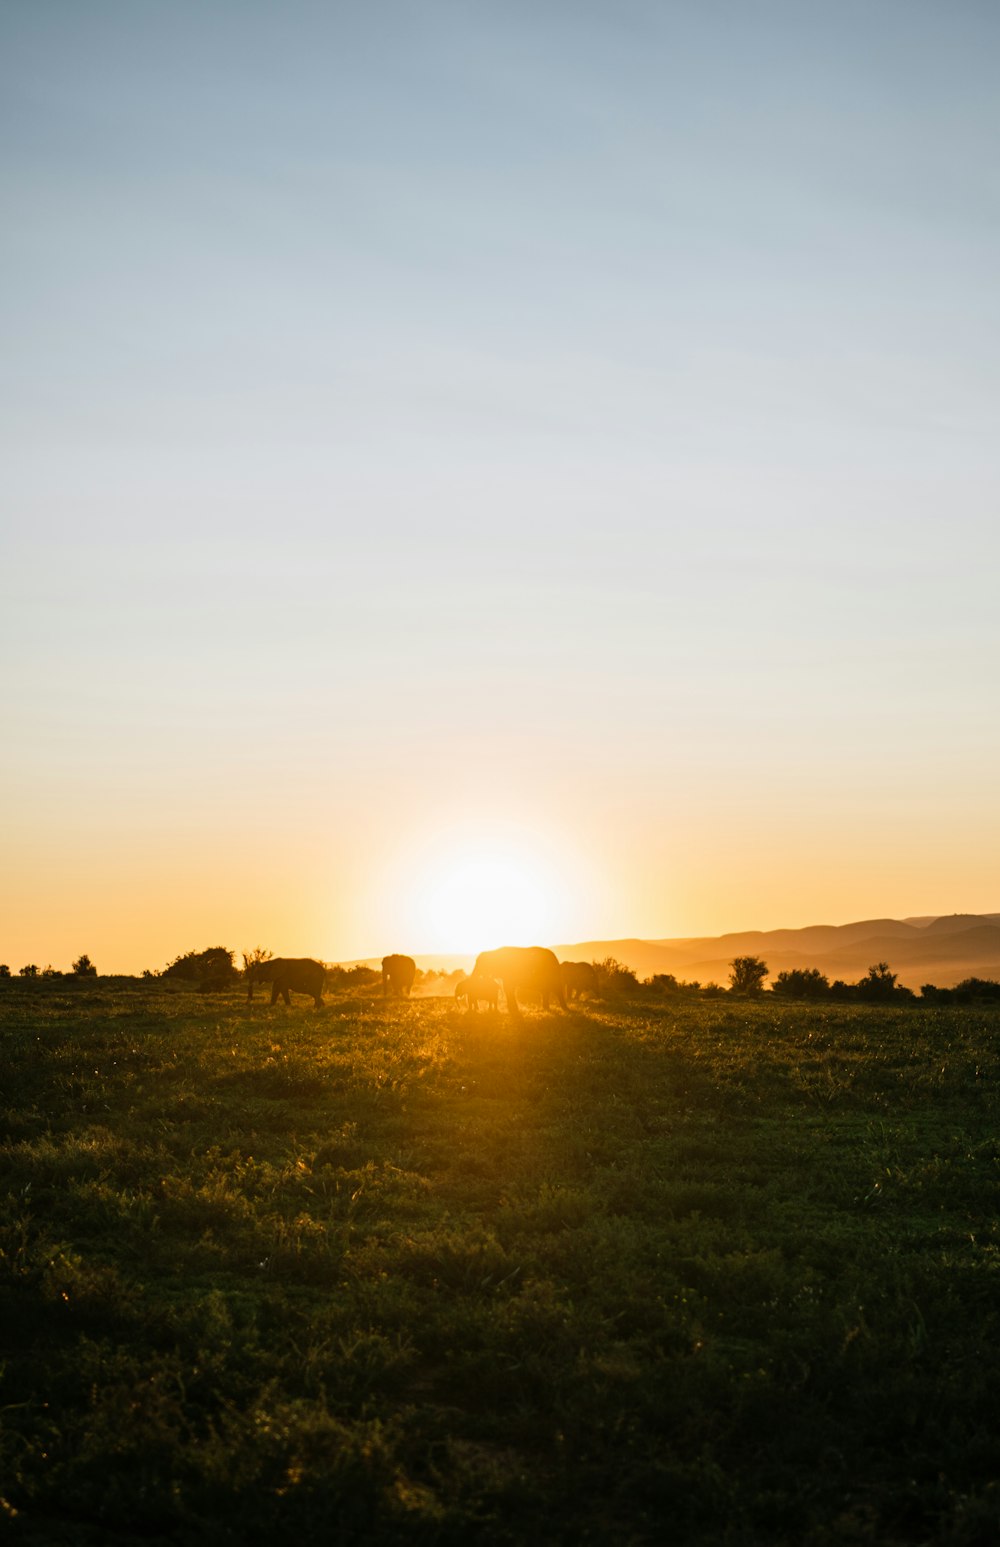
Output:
(563, 434)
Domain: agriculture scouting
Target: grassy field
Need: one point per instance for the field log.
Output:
(706, 1272)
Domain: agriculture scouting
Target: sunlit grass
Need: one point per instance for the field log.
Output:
(713, 1271)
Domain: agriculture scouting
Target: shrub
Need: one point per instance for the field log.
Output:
(977, 988)
(352, 977)
(613, 977)
(4, 970)
(878, 983)
(83, 967)
(747, 974)
(802, 983)
(214, 966)
(969, 991)
(30, 971)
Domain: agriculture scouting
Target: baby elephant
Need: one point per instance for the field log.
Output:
(477, 988)
(578, 978)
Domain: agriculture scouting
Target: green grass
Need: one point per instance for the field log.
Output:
(711, 1272)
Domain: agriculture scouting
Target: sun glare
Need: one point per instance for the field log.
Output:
(467, 891)
(484, 899)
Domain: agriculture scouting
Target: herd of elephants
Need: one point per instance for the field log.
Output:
(516, 969)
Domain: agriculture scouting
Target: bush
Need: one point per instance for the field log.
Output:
(352, 977)
(83, 967)
(4, 970)
(211, 968)
(879, 983)
(613, 977)
(254, 959)
(969, 991)
(30, 971)
(977, 988)
(747, 974)
(802, 983)
(664, 983)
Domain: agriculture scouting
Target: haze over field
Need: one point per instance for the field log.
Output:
(491, 472)
(943, 951)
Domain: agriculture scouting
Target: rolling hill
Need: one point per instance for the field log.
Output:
(928, 949)
(940, 950)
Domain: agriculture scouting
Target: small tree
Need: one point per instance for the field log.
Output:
(30, 971)
(747, 974)
(879, 983)
(83, 967)
(4, 970)
(252, 963)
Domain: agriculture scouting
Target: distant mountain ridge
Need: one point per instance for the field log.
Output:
(942, 950)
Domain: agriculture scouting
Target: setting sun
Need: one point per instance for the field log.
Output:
(474, 885)
(483, 897)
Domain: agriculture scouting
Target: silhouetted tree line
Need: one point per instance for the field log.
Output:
(878, 986)
(969, 991)
(215, 969)
(747, 977)
(353, 977)
(83, 967)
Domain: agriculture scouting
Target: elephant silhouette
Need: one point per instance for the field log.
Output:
(477, 988)
(523, 969)
(284, 973)
(578, 978)
(398, 973)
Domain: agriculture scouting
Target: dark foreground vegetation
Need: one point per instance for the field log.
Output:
(688, 1271)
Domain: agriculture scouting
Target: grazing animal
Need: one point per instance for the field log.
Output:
(398, 973)
(283, 973)
(473, 989)
(578, 978)
(523, 969)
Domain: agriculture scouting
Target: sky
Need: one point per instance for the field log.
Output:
(491, 471)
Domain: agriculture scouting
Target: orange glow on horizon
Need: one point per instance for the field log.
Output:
(477, 885)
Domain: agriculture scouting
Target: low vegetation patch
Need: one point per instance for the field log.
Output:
(691, 1270)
